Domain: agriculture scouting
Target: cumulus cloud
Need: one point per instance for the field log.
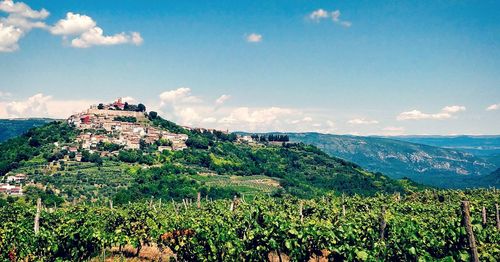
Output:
(89, 34)
(254, 38)
(446, 112)
(362, 121)
(129, 99)
(41, 105)
(318, 14)
(177, 96)
(493, 107)
(22, 9)
(33, 106)
(321, 14)
(9, 37)
(181, 106)
(20, 20)
(81, 28)
(255, 116)
(73, 24)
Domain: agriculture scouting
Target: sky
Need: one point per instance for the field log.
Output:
(343, 67)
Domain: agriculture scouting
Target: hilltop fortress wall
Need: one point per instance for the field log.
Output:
(108, 112)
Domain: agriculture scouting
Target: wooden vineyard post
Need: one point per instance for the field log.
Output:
(111, 204)
(484, 216)
(383, 223)
(37, 216)
(498, 216)
(234, 203)
(470, 234)
(175, 207)
(343, 210)
(301, 207)
(198, 200)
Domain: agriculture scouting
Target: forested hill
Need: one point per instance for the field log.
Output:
(10, 128)
(215, 163)
(426, 164)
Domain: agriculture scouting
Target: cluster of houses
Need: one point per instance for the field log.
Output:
(108, 126)
(12, 185)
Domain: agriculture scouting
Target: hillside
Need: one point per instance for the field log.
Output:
(10, 128)
(93, 157)
(422, 163)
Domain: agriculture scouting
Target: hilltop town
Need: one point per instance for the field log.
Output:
(123, 125)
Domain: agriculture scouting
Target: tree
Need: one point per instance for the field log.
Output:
(100, 106)
(153, 115)
(141, 108)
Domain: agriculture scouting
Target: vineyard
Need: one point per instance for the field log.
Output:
(423, 226)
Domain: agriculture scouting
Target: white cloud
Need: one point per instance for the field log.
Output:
(129, 99)
(453, 109)
(222, 99)
(321, 14)
(255, 116)
(328, 128)
(40, 105)
(20, 20)
(209, 120)
(318, 14)
(22, 23)
(21, 9)
(95, 37)
(493, 107)
(445, 113)
(362, 121)
(136, 38)
(73, 24)
(9, 37)
(179, 95)
(89, 34)
(254, 38)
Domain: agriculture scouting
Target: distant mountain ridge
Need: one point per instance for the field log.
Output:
(426, 164)
(482, 145)
(10, 128)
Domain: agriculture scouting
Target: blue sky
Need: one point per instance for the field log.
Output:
(357, 67)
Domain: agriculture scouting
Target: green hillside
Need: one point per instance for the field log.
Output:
(214, 163)
(422, 163)
(10, 128)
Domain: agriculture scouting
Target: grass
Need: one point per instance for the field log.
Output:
(248, 185)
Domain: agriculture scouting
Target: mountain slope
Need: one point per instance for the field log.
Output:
(10, 128)
(215, 163)
(422, 163)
